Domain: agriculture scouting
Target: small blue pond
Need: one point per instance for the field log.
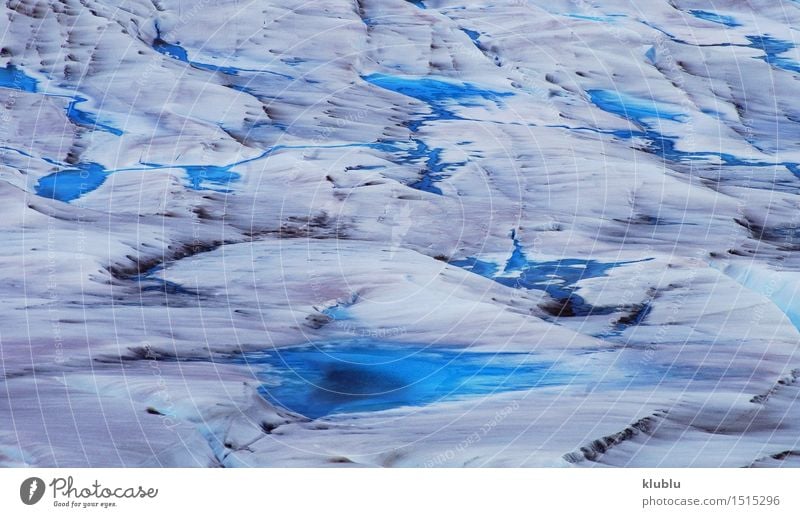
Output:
(210, 177)
(13, 77)
(316, 381)
(70, 184)
(75, 181)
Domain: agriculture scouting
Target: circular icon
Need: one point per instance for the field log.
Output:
(31, 490)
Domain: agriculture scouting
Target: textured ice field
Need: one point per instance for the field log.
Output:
(396, 233)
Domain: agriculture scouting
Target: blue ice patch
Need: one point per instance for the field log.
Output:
(708, 16)
(70, 184)
(439, 94)
(14, 78)
(772, 48)
(210, 177)
(651, 54)
(637, 109)
(433, 91)
(558, 278)
(346, 377)
(475, 36)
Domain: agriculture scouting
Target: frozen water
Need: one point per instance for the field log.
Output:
(210, 177)
(728, 21)
(84, 118)
(13, 77)
(637, 109)
(205, 208)
(70, 184)
(773, 48)
(175, 51)
(558, 278)
(440, 94)
(333, 378)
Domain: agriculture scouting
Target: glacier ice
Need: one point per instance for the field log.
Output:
(360, 232)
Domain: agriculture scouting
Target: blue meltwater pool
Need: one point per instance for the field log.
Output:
(332, 378)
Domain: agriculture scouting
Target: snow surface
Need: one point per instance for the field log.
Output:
(395, 233)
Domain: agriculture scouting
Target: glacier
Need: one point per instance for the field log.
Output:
(360, 233)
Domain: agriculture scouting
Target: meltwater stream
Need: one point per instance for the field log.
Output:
(321, 380)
